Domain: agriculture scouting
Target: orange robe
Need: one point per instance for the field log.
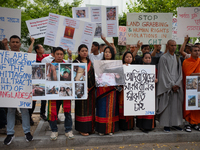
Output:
(190, 66)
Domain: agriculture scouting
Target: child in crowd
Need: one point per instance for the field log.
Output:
(53, 105)
(125, 122)
(146, 123)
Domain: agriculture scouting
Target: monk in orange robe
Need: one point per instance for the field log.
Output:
(191, 67)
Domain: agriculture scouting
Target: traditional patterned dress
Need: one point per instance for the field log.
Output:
(107, 111)
(85, 109)
(125, 122)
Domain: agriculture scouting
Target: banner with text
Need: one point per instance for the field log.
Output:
(37, 27)
(192, 93)
(56, 81)
(16, 79)
(174, 32)
(105, 18)
(139, 90)
(149, 28)
(10, 22)
(188, 22)
(122, 36)
(68, 32)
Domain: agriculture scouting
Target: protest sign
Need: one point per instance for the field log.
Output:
(188, 22)
(149, 28)
(139, 90)
(15, 79)
(122, 36)
(10, 22)
(105, 18)
(192, 93)
(174, 32)
(68, 32)
(108, 72)
(37, 27)
(56, 81)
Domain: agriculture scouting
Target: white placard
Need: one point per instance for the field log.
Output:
(149, 28)
(188, 22)
(68, 32)
(37, 27)
(174, 32)
(122, 36)
(192, 93)
(10, 22)
(59, 81)
(105, 17)
(139, 90)
(16, 79)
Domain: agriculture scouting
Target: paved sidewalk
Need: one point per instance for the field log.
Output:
(42, 138)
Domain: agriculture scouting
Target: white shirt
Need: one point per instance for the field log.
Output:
(93, 57)
(50, 58)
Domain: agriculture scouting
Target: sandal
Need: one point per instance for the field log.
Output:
(84, 134)
(188, 128)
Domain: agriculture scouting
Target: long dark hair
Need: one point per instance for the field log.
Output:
(124, 55)
(111, 51)
(79, 49)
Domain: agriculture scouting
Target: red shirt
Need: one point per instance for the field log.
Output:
(39, 59)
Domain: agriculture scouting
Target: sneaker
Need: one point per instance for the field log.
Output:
(69, 135)
(9, 139)
(42, 116)
(28, 137)
(167, 129)
(110, 134)
(177, 128)
(188, 128)
(196, 127)
(54, 136)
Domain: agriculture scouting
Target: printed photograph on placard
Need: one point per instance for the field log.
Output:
(111, 13)
(65, 89)
(198, 84)
(81, 13)
(65, 72)
(98, 30)
(198, 99)
(109, 72)
(52, 72)
(52, 88)
(79, 73)
(38, 71)
(69, 32)
(79, 90)
(38, 89)
(191, 100)
(191, 83)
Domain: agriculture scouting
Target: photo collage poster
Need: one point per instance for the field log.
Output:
(105, 18)
(108, 72)
(59, 81)
(192, 93)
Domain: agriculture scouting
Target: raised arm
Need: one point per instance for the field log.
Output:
(31, 46)
(154, 50)
(109, 44)
(183, 47)
(139, 44)
(5, 43)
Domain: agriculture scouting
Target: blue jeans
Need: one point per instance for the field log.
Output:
(11, 120)
(67, 125)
